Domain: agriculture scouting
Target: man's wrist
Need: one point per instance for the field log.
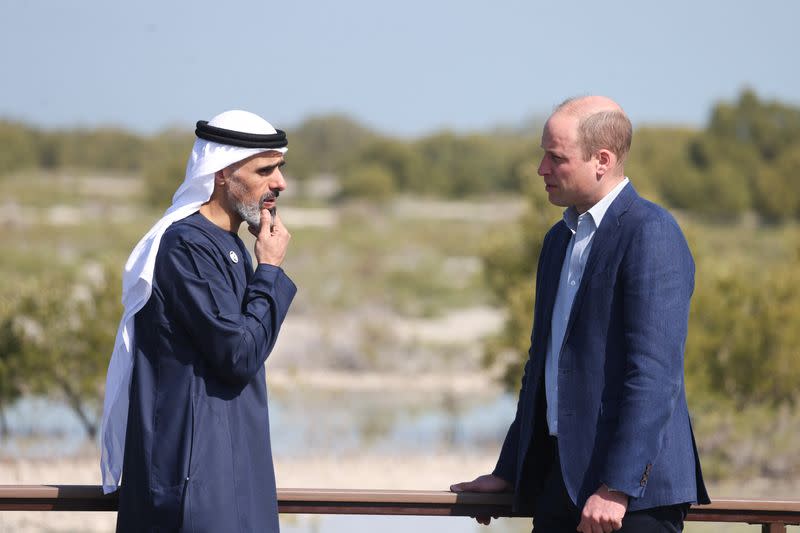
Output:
(616, 495)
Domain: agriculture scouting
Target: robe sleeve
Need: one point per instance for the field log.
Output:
(234, 334)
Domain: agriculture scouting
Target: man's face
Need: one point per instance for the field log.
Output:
(569, 179)
(253, 184)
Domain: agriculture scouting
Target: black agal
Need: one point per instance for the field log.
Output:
(240, 138)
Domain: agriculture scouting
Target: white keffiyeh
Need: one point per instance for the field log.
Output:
(137, 281)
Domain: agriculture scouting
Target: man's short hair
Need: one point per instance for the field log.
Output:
(609, 129)
(606, 129)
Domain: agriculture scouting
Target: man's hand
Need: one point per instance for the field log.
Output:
(270, 247)
(603, 511)
(485, 483)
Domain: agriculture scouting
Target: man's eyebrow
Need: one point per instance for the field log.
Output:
(267, 168)
(555, 153)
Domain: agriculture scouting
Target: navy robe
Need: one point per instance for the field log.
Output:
(197, 448)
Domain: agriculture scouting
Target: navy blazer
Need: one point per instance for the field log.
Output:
(622, 413)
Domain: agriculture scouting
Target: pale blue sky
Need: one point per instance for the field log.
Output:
(405, 68)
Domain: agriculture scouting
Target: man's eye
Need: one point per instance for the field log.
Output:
(266, 171)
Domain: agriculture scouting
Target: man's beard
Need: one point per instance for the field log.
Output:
(250, 212)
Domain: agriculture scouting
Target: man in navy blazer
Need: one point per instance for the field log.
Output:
(602, 439)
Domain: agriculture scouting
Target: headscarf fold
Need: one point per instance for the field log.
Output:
(137, 280)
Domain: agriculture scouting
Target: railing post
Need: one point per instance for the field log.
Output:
(773, 527)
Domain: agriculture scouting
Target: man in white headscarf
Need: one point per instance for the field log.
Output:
(185, 420)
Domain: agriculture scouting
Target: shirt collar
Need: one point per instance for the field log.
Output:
(597, 211)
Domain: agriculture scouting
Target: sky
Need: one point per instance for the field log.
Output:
(404, 68)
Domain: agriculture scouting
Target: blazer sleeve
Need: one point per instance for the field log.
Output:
(506, 467)
(234, 334)
(657, 276)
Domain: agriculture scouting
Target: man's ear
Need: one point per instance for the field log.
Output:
(605, 161)
(219, 178)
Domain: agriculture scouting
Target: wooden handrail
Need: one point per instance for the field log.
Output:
(771, 514)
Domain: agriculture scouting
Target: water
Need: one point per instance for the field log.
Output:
(42, 428)
(306, 422)
(385, 422)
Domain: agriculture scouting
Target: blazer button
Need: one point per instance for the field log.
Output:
(645, 475)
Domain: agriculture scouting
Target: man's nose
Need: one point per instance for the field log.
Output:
(541, 170)
(278, 183)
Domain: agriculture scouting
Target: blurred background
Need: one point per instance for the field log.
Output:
(416, 214)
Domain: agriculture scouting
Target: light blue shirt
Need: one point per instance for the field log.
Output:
(583, 228)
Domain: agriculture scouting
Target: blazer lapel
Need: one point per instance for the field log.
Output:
(602, 245)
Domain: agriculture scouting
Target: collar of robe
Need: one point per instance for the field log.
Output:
(240, 138)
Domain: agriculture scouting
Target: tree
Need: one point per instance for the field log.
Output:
(770, 127)
(165, 167)
(64, 328)
(369, 181)
(323, 144)
(752, 139)
(744, 344)
(13, 368)
(458, 166)
(17, 147)
(100, 148)
(775, 188)
(396, 157)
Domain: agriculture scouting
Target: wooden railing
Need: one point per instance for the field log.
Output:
(773, 516)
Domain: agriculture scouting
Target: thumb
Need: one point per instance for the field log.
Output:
(460, 487)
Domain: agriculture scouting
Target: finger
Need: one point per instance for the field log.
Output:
(464, 486)
(585, 525)
(277, 222)
(266, 222)
(469, 486)
(617, 524)
(588, 525)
